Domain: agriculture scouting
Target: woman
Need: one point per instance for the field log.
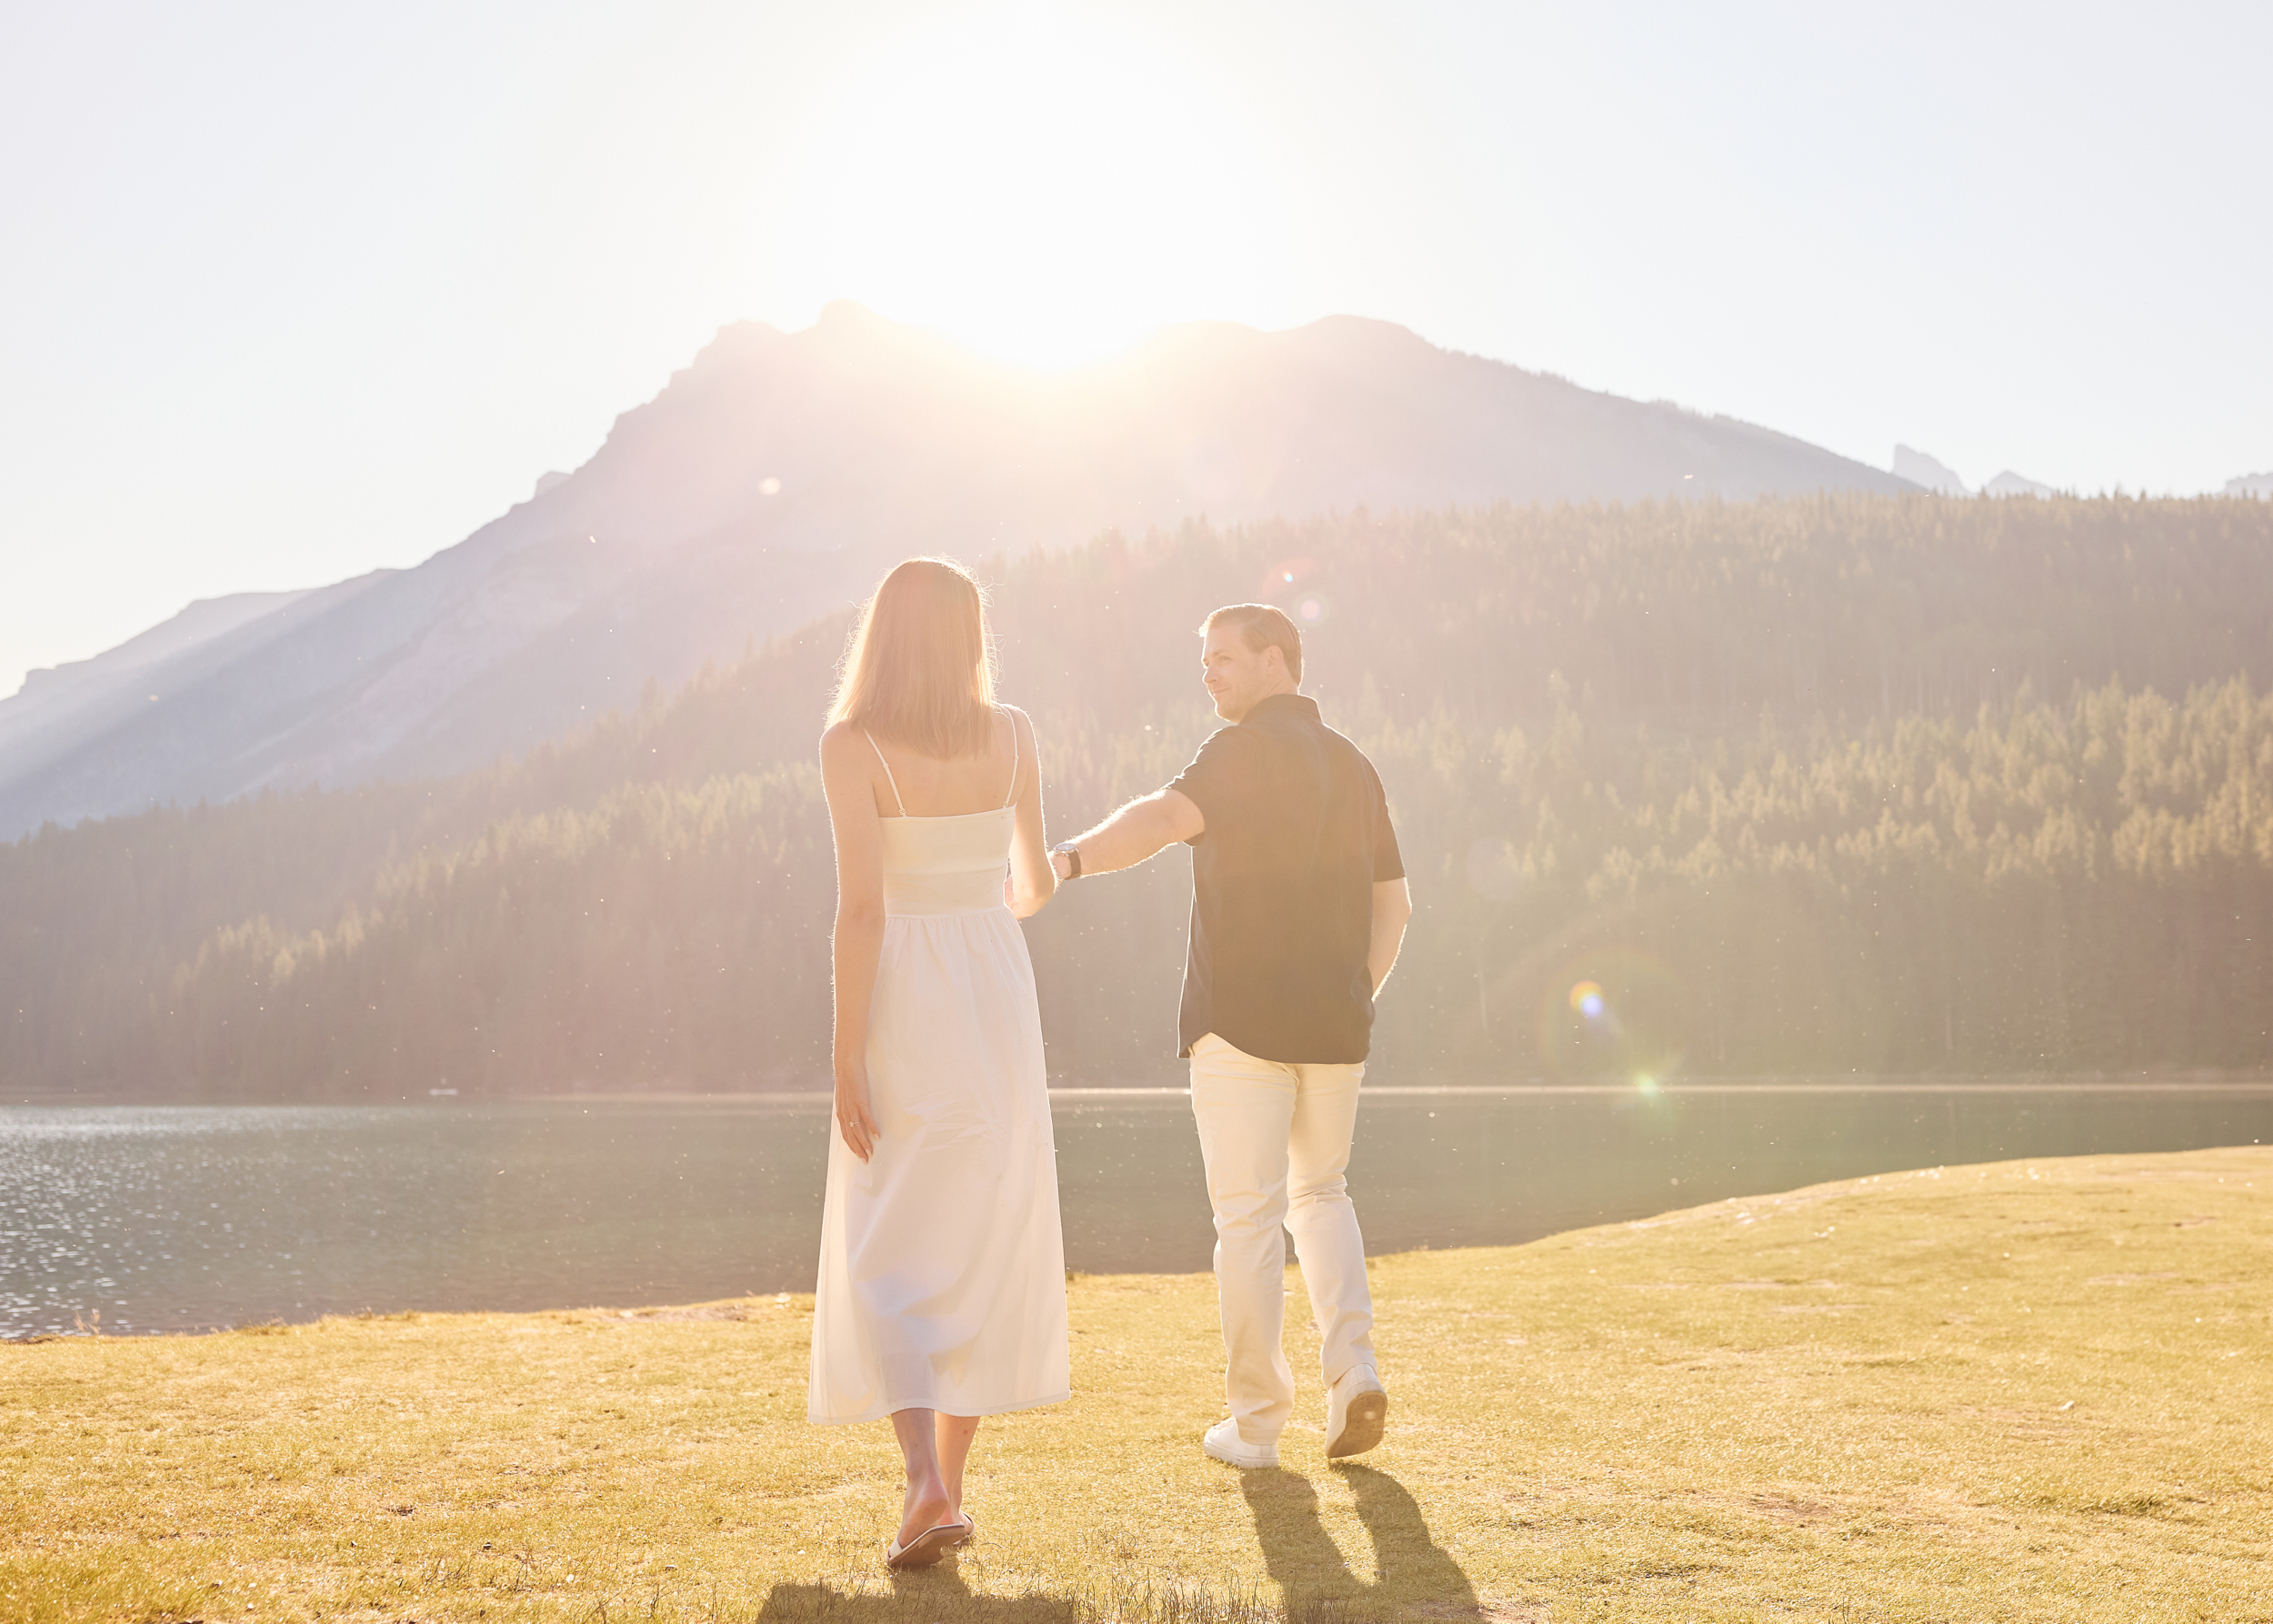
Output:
(942, 1293)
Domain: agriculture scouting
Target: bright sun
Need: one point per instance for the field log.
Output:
(1038, 189)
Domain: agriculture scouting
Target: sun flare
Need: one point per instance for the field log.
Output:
(1038, 189)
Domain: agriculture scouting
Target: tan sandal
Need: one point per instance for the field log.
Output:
(927, 1546)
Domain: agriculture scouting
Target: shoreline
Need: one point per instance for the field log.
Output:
(739, 1307)
(2019, 1082)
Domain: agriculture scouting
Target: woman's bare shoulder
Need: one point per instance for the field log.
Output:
(841, 741)
(1022, 729)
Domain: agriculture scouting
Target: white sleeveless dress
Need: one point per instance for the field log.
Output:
(943, 1269)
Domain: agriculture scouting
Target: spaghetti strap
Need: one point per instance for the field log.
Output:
(887, 765)
(1013, 760)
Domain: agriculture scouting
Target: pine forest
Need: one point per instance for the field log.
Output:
(1836, 785)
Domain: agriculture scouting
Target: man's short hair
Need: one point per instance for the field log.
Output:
(1261, 627)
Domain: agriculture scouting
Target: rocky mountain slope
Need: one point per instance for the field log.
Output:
(774, 476)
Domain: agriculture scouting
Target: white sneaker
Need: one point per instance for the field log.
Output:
(1224, 1442)
(1356, 1408)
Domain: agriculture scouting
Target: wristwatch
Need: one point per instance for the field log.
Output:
(1073, 857)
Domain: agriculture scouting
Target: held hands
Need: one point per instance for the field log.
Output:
(853, 1119)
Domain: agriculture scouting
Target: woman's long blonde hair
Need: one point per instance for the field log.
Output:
(919, 669)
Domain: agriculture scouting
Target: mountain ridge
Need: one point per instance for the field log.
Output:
(772, 476)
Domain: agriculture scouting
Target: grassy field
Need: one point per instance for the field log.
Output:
(2028, 1390)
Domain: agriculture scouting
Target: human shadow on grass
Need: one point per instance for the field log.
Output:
(1417, 1575)
(1415, 1572)
(922, 1595)
(939, 1595)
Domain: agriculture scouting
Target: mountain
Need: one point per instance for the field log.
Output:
(49, 720)
(2009, 484)
(774, 477)
(2251, 484)
(1931, 472)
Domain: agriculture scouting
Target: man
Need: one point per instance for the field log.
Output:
(1298, 906)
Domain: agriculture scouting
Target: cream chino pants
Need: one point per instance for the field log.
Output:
(1275, 1139)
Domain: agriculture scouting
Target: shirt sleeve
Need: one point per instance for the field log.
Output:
(1214, 779)
(1388, 863)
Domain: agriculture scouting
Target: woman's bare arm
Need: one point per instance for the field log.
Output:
(1032, 881)
(857, 945)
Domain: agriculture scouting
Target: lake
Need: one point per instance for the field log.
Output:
(184, 1218)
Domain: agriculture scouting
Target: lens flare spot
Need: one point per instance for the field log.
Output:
(1647, 1085)
(1311, 609)
(1297, 572)
(1613, 1013)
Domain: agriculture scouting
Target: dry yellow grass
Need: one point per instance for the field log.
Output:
(2020, 1391)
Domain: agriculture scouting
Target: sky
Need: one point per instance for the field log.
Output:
(291, 290)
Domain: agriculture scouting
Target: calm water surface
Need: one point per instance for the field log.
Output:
(172, 1218)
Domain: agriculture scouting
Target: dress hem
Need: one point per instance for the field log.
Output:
(887, 1408)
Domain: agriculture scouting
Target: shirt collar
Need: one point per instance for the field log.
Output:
(1302, 702)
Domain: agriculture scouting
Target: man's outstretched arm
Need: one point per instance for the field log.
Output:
(1134, 833)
